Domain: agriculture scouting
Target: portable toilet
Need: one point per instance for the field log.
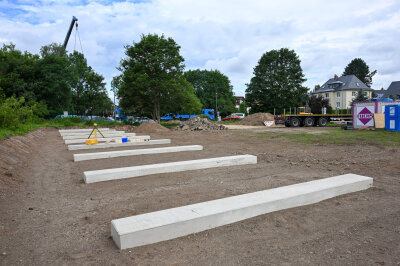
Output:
(392, 117)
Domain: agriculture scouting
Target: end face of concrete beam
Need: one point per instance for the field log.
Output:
(167, 224)
(142, 170)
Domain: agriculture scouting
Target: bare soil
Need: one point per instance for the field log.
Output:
(48, 216)
(256, 119)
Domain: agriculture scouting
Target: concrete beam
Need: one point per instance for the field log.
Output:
(83, 130)
(117, 145)
(113, 154)
(101, 139)
(167, 224)
(150, 169)
(106, 133)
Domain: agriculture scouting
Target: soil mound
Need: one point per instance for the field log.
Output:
(197, 123)
(256, 119)
(150, 127)
(14, 153)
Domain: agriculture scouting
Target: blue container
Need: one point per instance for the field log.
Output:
(124, 140)
(392, 117)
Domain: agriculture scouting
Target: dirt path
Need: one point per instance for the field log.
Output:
(50, 217)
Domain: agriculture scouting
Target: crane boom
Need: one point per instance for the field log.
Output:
(74, 19)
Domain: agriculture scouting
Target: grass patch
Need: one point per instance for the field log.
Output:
(338, 136)
(61, 122)
(170, 125)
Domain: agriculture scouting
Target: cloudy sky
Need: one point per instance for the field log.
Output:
(228, 35)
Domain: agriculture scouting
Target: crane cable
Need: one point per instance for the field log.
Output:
(77, 33)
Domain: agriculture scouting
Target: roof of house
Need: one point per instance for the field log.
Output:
(349, 82)
(393, 89)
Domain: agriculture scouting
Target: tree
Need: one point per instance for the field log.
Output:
(88, 87)
(316, 103)
(277, 82)
(360, 69)
(214, 90)
(243, 108)
(361, 96)
(152, 77)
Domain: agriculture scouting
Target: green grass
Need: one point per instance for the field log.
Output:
(338, 136)
(25, 128)
(169, 124)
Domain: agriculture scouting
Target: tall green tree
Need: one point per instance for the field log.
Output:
(152, 77)
(89, 94)
(18, 72)
(360, 69)
(277, 82)
(316, 103)
(213, 88)
(54, 80)
(361, 96)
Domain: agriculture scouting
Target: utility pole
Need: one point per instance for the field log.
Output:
(216, 105)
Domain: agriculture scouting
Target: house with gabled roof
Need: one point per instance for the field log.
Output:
(393, 91)
(342, 90)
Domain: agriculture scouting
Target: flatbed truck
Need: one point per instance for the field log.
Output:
(308, 119)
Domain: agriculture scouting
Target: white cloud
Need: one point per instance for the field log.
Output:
(227, 35)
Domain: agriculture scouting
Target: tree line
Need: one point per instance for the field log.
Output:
(54, 79)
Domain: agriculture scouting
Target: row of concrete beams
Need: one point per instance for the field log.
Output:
(117, 145)
(101, 139)
(82, 130)
(142, 170)
(167, 224)
(105, 134)
(114, 154)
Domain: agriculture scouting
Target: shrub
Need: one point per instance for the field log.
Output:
(14, 112)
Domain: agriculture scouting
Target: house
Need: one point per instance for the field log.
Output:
(239, 100)
(393, 91)
(380, 93)
(342, 90)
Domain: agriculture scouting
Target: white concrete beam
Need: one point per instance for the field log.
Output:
(113, 154)
(106, 133)
(101, 139)
(117, 145)
(83, 130)
(167, 224)
(150, 169)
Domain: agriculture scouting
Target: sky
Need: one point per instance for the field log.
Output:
(227, 35)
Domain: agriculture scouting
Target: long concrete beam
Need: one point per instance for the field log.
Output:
(106, 133)
(117, 145)
(113, 154)
(83, 130)
(150, 169)
(101, 139)
(167, 224)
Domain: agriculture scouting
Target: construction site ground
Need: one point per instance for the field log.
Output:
(48, 216)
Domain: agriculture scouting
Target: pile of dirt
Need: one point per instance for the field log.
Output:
(150, 127)
(256, 119)
(197, 123)
(14, 153)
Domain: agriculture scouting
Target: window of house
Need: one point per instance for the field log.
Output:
(353, 93)
(338, 94)
(338, 104)
(326, 95)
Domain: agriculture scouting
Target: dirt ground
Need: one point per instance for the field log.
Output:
(48, 216)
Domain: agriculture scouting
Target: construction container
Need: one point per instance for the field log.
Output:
(392, 117)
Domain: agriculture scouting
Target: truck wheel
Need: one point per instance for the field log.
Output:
(309, 122)
(322, 122)
(294, 122)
